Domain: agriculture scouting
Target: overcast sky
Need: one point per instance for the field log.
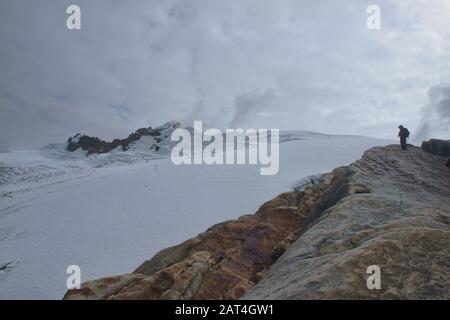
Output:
(309, 65)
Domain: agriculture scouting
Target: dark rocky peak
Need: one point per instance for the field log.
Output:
(97, 145)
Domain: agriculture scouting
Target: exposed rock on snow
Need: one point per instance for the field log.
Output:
(311, 180)
(391, 208)
(96, 145)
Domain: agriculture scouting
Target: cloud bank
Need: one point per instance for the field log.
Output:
(435, 121)
(257, 63)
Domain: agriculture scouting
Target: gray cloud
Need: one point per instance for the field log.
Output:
(248, 105)
(142, 63)
(435, 121)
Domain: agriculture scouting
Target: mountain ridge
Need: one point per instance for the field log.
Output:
(97, 145)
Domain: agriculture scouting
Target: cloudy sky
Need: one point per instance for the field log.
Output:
(289, 64)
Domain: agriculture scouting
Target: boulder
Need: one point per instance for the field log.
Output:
(437, 147)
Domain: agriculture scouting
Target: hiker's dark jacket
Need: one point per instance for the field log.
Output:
(403, 133)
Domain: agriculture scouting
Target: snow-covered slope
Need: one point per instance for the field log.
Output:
(109, 212)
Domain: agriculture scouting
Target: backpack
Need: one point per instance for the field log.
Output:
(406, 133)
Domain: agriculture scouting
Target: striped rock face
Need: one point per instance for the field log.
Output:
(402, 226)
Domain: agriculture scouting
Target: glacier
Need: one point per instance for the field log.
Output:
(108, 212)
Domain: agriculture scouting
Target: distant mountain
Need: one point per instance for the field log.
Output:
(153, 139)
(157, 137)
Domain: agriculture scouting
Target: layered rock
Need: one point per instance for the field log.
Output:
(402, 226)
(391, 208)
(228, 259)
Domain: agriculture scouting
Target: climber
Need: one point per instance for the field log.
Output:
(403, 134)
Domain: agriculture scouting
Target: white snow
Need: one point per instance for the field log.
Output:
(108, 213)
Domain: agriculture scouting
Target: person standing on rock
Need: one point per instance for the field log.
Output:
(403, 134)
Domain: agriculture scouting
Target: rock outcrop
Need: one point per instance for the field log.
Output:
(402, 226)
(97, 145)
(391, 209)
(437, 147)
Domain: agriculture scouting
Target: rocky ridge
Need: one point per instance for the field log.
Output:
(97, 145)
(391, 208)
(437, 147)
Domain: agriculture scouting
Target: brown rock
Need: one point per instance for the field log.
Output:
(225, 261)
(402, 225)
